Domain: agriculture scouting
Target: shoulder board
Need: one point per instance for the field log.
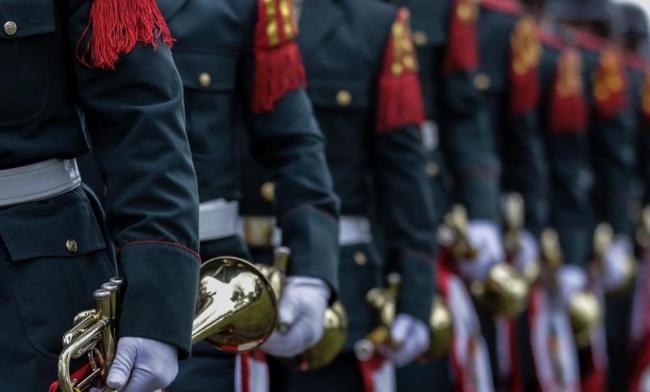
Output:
(635, 62)
(551, 40)
(645, 98)
(610, 84)
(525, 55)
(590, 42)
(278, 63)
(115, 27)
(568, 108)
(399, 94)
(462, 48)
(511, 7)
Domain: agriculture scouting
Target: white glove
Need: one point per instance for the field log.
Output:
(302, 309)
(143, 365)
(528, 252)
(485, 236)
(617, 264)
(411, 336)
(571, 280)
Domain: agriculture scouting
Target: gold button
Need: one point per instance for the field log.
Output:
(360, 258)
(432, 169)
(10, 28)
(267, 190)
(205, 79)
(343, 98)
(420, 38)
(482, 81)
(71, 246)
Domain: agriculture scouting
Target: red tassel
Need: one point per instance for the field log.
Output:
(568, 106)
(278, 63)
(77, 375)
(400, 95)
(462, 51)
(525, 52)
(115, 27)
(610, 85)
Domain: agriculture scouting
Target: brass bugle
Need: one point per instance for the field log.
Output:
(384, 302)
(441, 328)
(237, 306)
(514, 218)
(452, 234)
(503, 293)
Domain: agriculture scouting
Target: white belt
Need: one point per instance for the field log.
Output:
(218, 219)
(354, 230)
(38, 181)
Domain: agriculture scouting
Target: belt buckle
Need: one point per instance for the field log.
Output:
(258, 231)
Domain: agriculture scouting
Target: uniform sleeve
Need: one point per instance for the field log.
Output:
(644, 137)
(465, 134)
(286, 139)
(403, 194)
(613, 141)
(524, 154)
(134, 116)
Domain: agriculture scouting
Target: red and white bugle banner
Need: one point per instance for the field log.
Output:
(378, 374)
(509, 365)
(640, 330)
(252, 372)
(552, 343)
(470, 363)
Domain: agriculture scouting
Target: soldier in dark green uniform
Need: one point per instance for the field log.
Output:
(508, 79)
(241, 77)
(463, 163)
(363, 83)
(106, 63)
(611, 149)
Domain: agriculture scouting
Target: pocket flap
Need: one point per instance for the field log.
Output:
(339, 94)
(63, 226)
(24, 18)
(206, 71)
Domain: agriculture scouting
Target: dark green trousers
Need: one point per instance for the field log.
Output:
(43, 285)
(210, 370)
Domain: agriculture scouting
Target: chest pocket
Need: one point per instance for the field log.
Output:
(26, 45)
(206, 71)
(341, 95)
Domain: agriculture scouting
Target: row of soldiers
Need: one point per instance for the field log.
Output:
(372, 140)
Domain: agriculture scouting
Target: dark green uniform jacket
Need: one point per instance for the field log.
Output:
(217, 39)
(564, 122)
(464, 146)
(508, 79)
(639, 91)
(612, 132)
(133, 115)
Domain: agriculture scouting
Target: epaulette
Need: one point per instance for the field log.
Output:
(551, 40)
(610, 84)
(400, 95)
(115, 27)
(511, 7)
(589, 41)
(525, 54)
(462, 48)
(645, 98)
(278, 62)
(568, 108)
(635, 62)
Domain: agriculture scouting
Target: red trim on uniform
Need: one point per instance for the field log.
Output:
(462, 48)
(278, 63)
(525, 53)
(610, 84)
(163, 243)
(568, 109)
(551, 40)
(590, 41)
(115, 27)
(512, 7)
